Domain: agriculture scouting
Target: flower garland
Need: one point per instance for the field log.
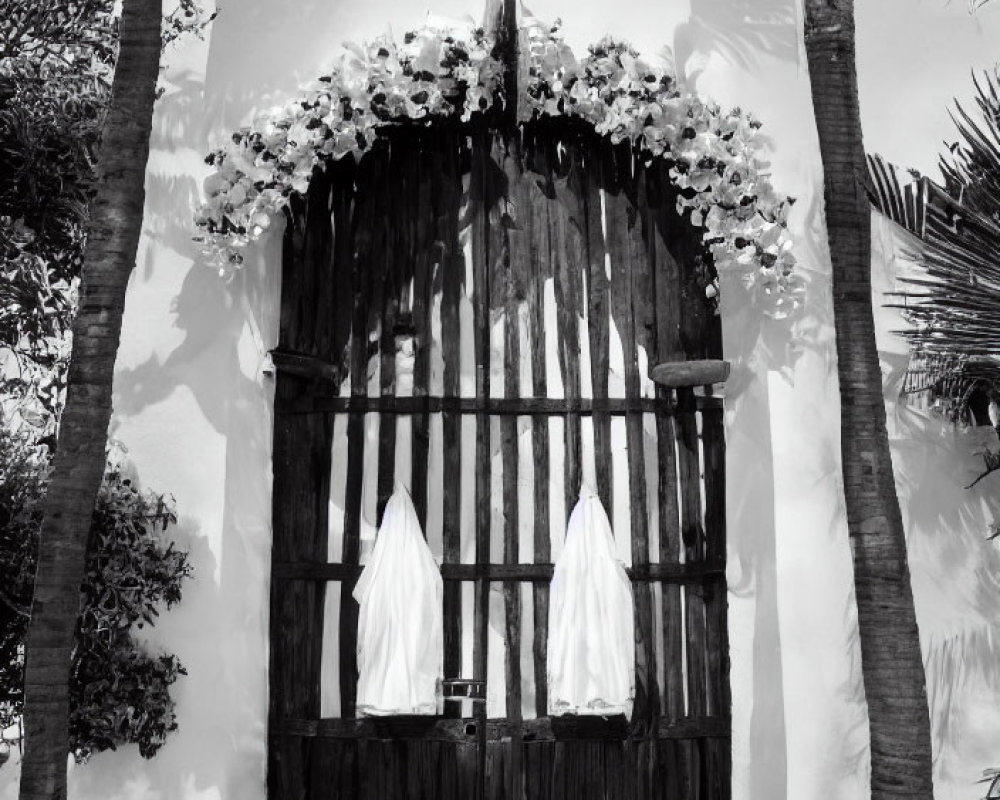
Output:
(440, 72)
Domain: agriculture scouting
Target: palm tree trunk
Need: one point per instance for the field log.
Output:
(112, 241)
(891, 662)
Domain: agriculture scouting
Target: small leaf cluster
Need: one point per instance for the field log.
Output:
(119, 691)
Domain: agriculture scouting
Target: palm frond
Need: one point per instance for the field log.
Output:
(897, 193)
(953, 300)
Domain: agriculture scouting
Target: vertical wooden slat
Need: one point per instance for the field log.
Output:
(568, 290)
(300, 499)
(694, 339)
(453, 273)
(716, 597)
(482, 188)
(670, 788)
(540, 269)
(589, 191)
(713, 447)
(391, 232)
(718, 772)
(423, 216)
(638, 333)
(512, 267)
(371, 187)
(694, 550)
(559, 771)
(665, 270)
(628, 261)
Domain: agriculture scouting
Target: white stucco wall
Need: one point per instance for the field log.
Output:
(195, 412)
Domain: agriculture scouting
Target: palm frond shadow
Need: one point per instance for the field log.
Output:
(741, 32)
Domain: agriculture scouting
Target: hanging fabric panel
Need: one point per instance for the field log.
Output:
(591, 647)
(400, 633)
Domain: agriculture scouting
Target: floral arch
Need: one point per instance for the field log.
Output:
(452, 71)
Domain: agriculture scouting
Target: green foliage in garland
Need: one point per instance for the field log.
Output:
(119, 692)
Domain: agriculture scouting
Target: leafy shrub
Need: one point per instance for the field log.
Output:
(119, 693)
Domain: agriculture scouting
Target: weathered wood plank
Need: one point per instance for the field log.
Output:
(716, 600)
(667, 770)
(542, 729)
(718, 769)
(389, 256)
(540, 269)
(700, 372)
(428, 179)
(694, 331)
(539, 572)
(566, 259)
(628, 263)
(286, 768)
(453, 274)
(309, 367)
(496, 406)
(666, 280)
(371, 172)
(513, 258)
(301, 457)
(673, 629)
(598, 312)
(693, 537)
(483, 190)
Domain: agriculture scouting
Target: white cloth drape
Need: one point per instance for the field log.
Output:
(400, 629)
(591, 647)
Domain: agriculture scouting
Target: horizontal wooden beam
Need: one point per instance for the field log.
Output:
(542, 729)
(305, 366)
(494, 406)
(669, 573)
(677, 374)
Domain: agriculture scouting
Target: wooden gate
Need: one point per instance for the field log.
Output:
(453, 241)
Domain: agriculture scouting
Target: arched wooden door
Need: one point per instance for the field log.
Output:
(477, 316)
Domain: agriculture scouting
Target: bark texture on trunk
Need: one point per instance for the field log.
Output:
(112, 241)
(891, 660)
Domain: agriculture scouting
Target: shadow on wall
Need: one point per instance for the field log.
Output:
(260, 57)
(212, 378)
(741, 36)
(955, 570)
(790, 559)
(219, 629)
(739, 31)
